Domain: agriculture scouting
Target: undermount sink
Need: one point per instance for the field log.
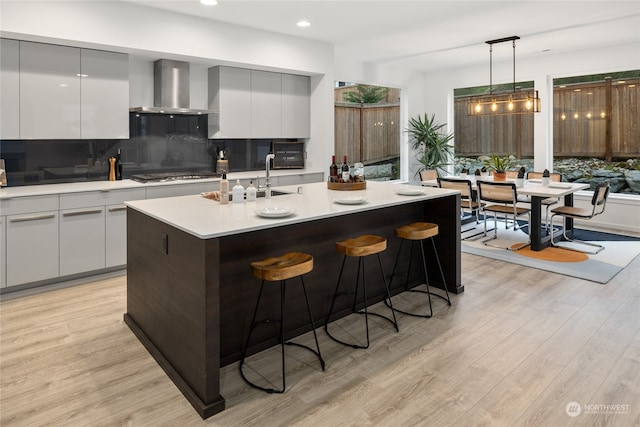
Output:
(261, 194)
(273, 193)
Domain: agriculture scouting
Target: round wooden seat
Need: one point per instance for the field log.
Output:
(417, 231)
(283, 267)
(364, 245)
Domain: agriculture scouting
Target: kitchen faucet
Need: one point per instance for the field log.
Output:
(267, 181)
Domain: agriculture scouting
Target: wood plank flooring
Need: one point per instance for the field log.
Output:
(514, 349)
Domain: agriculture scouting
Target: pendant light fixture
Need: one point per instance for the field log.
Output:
(495, 104)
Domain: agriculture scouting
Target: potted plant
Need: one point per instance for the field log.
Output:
(432, 145)
(499, 164)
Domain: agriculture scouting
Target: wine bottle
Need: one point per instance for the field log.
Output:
(119, 166)
(345, 169)
(333, 170)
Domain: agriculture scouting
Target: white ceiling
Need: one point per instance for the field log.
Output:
(427, 35)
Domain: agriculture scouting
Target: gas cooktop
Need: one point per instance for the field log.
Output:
(173, 176)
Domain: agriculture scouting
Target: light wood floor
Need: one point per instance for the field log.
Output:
(514, 349)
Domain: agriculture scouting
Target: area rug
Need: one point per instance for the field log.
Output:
(600, 268)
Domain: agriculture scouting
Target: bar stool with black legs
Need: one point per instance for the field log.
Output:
(361, 247)
(279, 269)
(419, 232)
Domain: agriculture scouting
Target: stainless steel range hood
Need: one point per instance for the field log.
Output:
(170, 89)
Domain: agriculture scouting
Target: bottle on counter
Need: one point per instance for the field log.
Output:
(237, 192)
(224, 189)
(251, 192)
(345, 169)
(333, 170)
(119, 166)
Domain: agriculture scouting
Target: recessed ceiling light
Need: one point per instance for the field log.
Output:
(303, 24)
(209, 2)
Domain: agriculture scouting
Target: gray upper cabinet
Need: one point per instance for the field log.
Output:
(266, 104)
(9, 89)
(104, 102)
(66, 92)
(49, 91)
(295, 106)
(258, 104)
(230, 94)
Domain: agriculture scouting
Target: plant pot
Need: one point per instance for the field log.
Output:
(499, 176)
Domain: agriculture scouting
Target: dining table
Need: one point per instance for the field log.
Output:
(537, 192)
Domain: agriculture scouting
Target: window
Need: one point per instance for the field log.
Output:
(596, 134)
(483, 135)
(367, 128)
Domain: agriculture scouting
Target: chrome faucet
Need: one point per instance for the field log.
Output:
(267, 181)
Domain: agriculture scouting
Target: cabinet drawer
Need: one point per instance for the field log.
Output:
(29, 204)
(99, 198)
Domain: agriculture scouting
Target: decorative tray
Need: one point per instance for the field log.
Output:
(347, 186)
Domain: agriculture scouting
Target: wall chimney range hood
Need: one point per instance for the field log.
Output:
(170, 89)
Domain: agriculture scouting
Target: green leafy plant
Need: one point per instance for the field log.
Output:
(499, 164)
(365, 94)
(432, 145)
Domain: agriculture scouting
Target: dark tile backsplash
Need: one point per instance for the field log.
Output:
(158, 143)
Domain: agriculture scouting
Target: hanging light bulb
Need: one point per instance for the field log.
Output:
(510, 104)
(602, 115)
(494, 106)
(528, 105)
(588, 115)
(563, 116)
(576, 116)
(478, 108)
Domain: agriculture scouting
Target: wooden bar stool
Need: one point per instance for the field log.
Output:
(419, 231)
(361, 247)
(274, 269)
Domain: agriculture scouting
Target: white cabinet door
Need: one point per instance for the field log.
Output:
(9, 89)
(266, 104)
(104, 94)
(230, 95)
(295, 106)
(116, 235)
(3, 251)
(82, 240)
(32, 247)
(49, 91)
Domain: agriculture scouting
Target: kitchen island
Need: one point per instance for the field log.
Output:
(190, 291)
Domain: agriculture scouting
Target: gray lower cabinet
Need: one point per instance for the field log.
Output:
(116, 235)
(93, 229)
(32, 240)
(82, 240)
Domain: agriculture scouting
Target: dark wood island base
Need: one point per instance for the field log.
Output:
(190, 300)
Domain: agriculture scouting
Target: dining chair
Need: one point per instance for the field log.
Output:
(598, 203)
(428, 174)
(548, 202)
(500, 198)
(468, 198)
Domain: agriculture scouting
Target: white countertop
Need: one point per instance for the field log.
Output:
(205, 218)
(76, 187)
